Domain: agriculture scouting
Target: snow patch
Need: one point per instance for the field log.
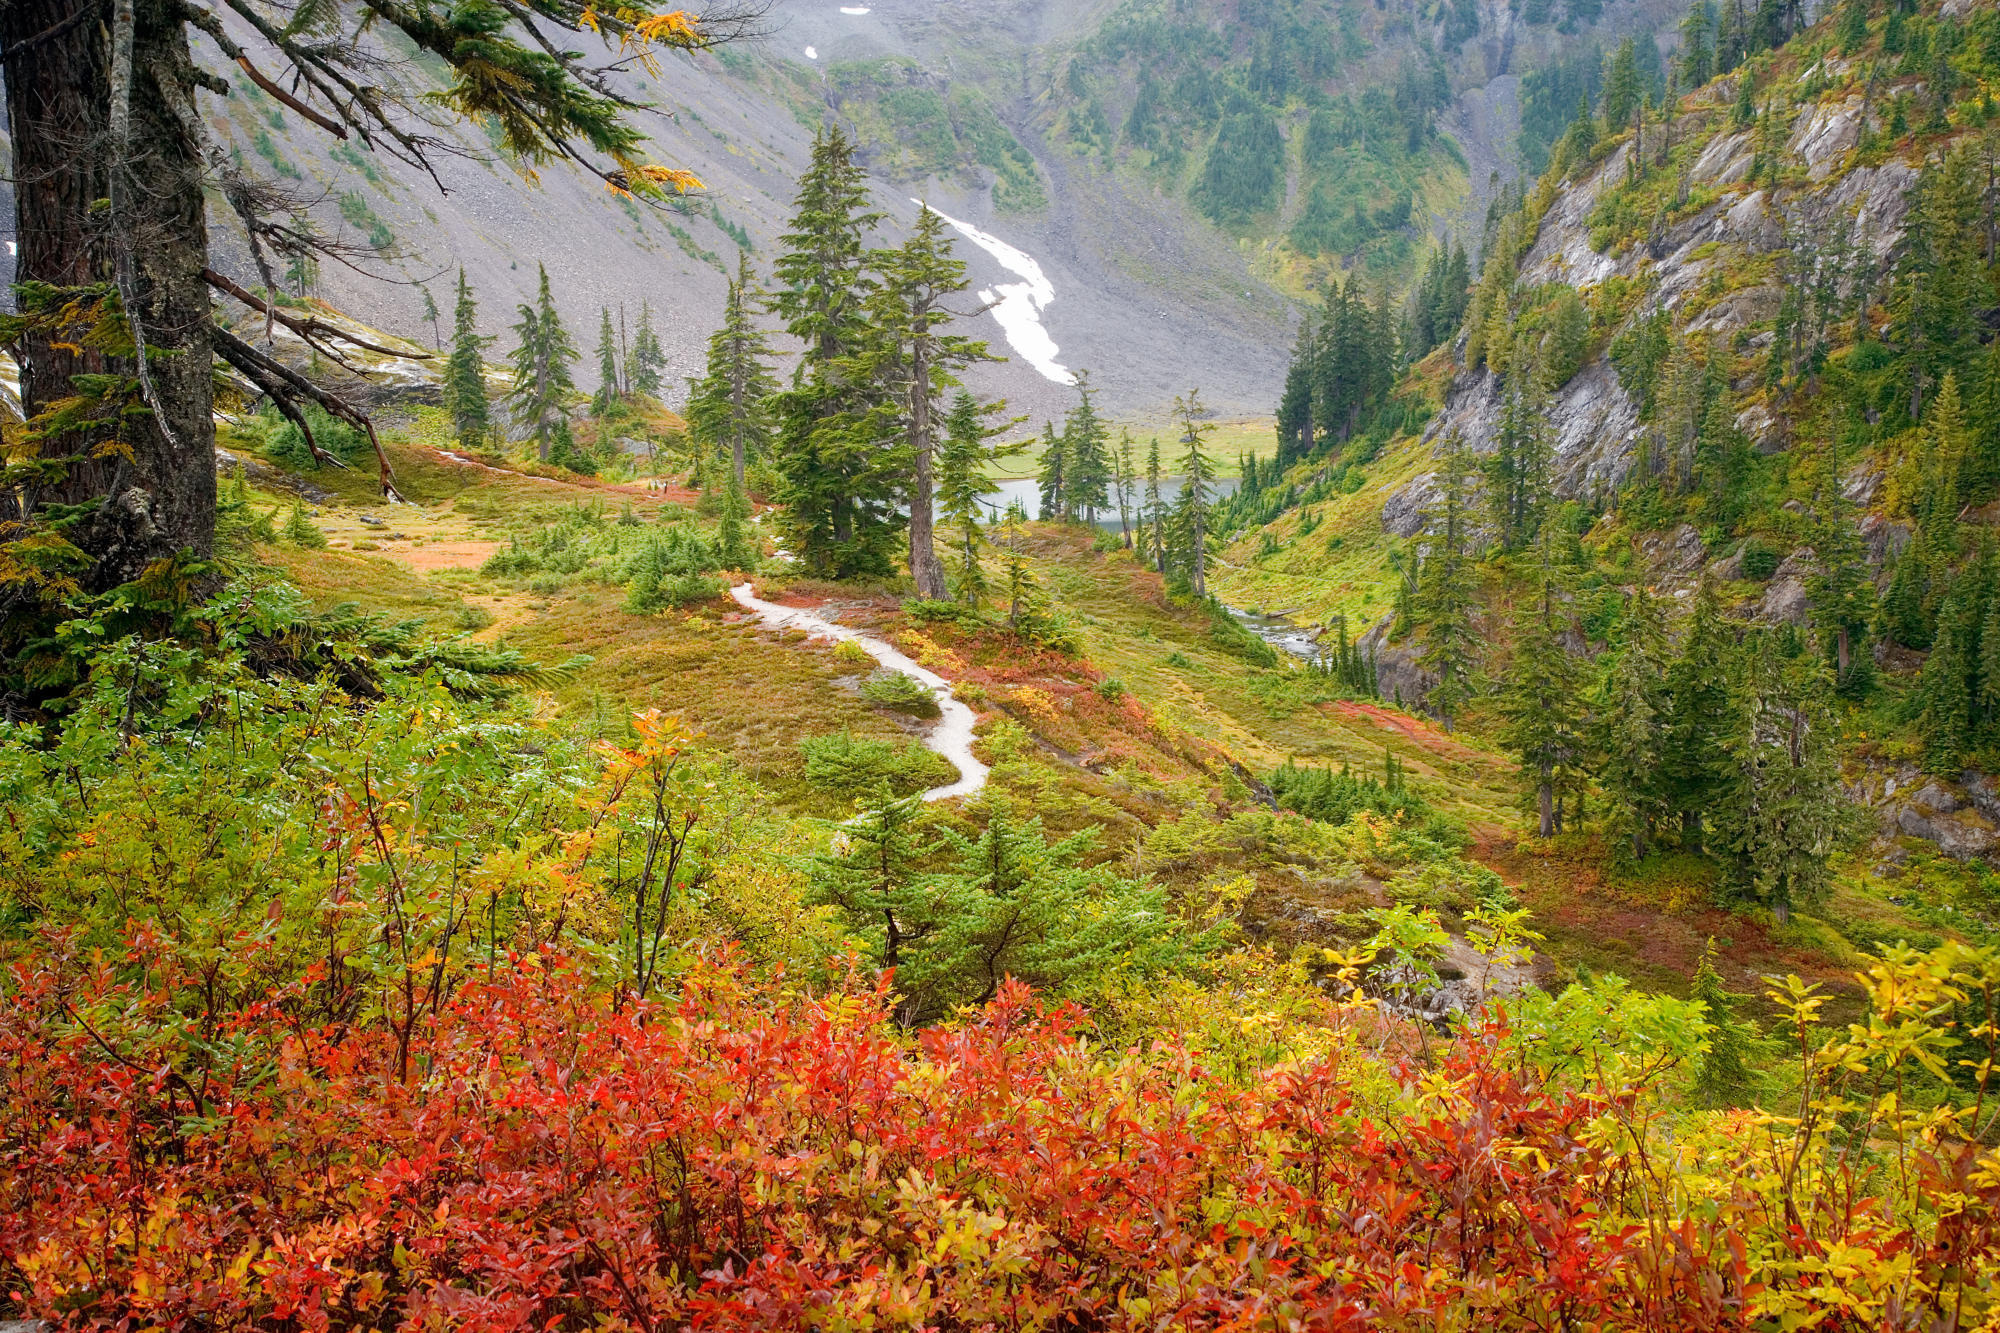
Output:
(811, 54)
(856, 10)
(1017, 306)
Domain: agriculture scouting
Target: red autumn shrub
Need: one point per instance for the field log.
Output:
(744, 1158)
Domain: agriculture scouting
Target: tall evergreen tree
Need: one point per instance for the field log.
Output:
(542, 358)
(916, 358)
(606, 396)
(1624, 93)
(1841, 589)
(729, 407)
(1543, 696)
(1630, 724)
(1939, 287)
(1126, 480)
(465, 374)
(962, 483)
(1780, 809)
(1197, 477)
(1295, 407)
(1945, 687)
(1724, 1075)
(1086, 447)
(839, 461)
(1156, 510)
(1700, 716)
(646, 359)
(1517, 472)
(430, 316)
(1054, 477)
(1445, 590)
(1697, 54)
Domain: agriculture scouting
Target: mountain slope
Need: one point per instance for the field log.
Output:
(976, 108)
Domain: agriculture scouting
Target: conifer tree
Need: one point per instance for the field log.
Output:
(1198, 474)
(840, 465)
(430, 316)
(1630, 725)
(1445, 586)
(1699, 719)
(1542, 700)
(1987, 700)
(915, 358)
(606, 396)
(1780, 811)
(1841, 588)
(465, 375)
(542, 383)
(1623, 92)
(1945, 687)
(1724, 1076)
(1851, 32)
(1087, 456)
(1517, 472)
(1697, 54)
(1013, 903)
(962, 482)
(875, 882)
(735, 548)
(1021, 584)
(1126, 480)
(646, 359)
(1295, 406)
(1155, 509)
(1054, 478)
(728, 408)
(1939, 285)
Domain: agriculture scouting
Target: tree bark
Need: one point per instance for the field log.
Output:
(926, 570)
(59, 72)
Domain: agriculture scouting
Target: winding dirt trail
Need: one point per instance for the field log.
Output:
(951, 737)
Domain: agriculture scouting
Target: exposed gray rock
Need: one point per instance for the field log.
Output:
(1398, 678)
(1885, 537)
(1862, 484)
(1595, 424)
(1676, 552)
(1403, 513)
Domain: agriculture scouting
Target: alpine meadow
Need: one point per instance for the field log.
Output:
(1280, 665)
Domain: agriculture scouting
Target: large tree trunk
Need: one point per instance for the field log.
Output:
(59, 71)
(926, 570)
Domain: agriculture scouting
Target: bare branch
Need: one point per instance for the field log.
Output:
(235, 351)
(309, 327)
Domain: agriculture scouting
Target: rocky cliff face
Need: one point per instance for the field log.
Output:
(1692, 268)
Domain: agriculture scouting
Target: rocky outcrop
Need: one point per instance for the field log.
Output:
(1785, 600)
(1398, 678)
(1960, 818)
(1690, 268)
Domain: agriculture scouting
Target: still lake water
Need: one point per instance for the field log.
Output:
(1029, 492)
(1299, 641)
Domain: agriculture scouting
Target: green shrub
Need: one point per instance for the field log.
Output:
(300, 530)
(1759, 560)
(1233, 638)
(844, 764)
(929, 611)
(285, 444)
(853, 656)
(902, 692)
(670, 592)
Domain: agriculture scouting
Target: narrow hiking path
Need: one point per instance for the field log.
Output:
(950, 737)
